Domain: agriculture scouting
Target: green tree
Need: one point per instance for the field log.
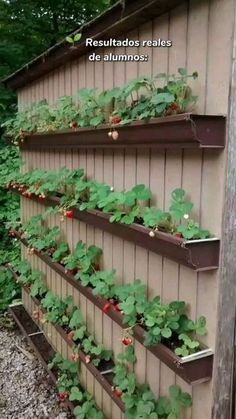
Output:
(28, 27)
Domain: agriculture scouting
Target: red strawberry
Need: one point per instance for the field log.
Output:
(115, 119)
(174, 106)
(63, 396)
(69, 214)
(178, 235)
(73, 125)
(127, 341)
(106, 307)
(117, 392)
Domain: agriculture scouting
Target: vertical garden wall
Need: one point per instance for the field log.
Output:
(198, 45)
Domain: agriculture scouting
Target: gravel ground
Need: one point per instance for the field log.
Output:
(25, 389)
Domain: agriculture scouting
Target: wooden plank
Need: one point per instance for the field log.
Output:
(145, 33)
(173, 170)
(98, 241)
(107, 265)
(219, 45)
(141, 262)
(68, 81)
(90, 311)
(224, 356)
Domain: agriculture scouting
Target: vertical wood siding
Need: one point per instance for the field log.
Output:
(198, 44)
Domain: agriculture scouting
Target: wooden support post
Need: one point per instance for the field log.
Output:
(224, 356)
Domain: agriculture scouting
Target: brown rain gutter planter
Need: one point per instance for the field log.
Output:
(37, 340)
(199, 255)
(177, 131)
(193, 369)
(34, 336)
(82, 356)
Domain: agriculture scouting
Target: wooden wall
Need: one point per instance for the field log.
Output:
(201, 34)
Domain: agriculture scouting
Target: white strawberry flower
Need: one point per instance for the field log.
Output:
(186, 216)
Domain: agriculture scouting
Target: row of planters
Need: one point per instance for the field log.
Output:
(127, 214)
(164, 328)
(63, 372)
(141, 99)
(120, 382)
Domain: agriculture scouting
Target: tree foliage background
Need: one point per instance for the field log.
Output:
(27, 28)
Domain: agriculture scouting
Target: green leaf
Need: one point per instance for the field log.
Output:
(186, 399)
(166, 332)
(79, 333)
(153, 416)
(156, 331)
(174, 391)
(128, 401)
(173, 415)
(77, 37)
(162, 98)
(75, 394)
(76, 319)
(178, 195)
(79, 413)
(69, 39)
(142, 192)
(201, 326)
(97, 120)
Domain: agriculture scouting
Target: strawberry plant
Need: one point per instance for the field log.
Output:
(102, 283)
(164, 320)
(61, 252)
(62, 312)
(139, 400)
(31, 278)
(46, 241)
(23, 270)
(68, 382)
(91, 193)
(9, 291)
(83, 259)
(88, 409)
(125, 207)
(38, 288)
(134, 301)
(139, 99)
(97, 352)
(167, 323)
(58, 311)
